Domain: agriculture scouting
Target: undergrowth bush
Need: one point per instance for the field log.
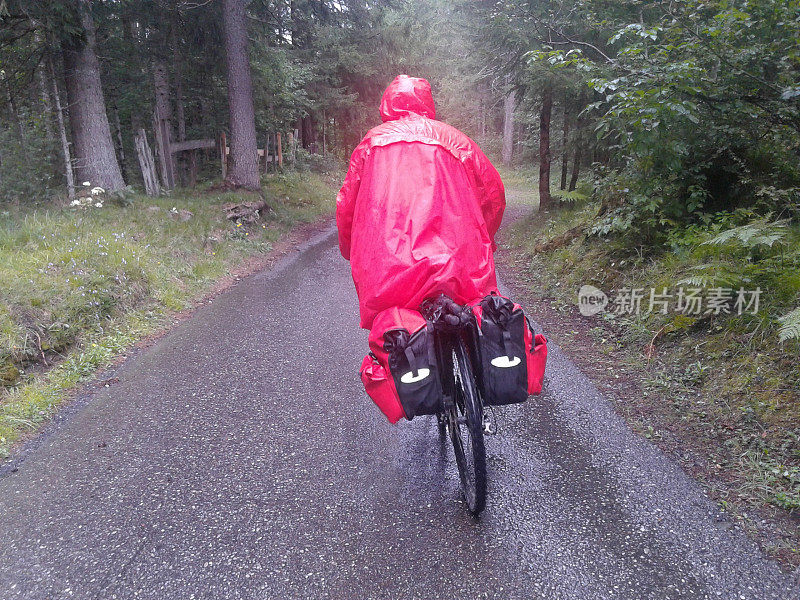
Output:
(28, 171)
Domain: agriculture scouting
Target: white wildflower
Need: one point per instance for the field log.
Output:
(99, 204)
(87, 183)
(97, 190)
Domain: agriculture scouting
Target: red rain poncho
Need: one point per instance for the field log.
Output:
(419, 208)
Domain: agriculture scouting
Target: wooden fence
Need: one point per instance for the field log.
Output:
(168, 151)
(271, 153)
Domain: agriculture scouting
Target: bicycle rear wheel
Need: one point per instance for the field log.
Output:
(465, 425)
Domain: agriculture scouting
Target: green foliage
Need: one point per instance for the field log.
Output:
(699, 102)
(27, 172)
(762, 254)
(752, 236)
(316, 163)
(80, 285)
(790, 326)
(299, 197)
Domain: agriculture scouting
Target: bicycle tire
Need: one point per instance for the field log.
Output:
(470, 452)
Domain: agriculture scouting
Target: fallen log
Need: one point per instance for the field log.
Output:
(245, 212)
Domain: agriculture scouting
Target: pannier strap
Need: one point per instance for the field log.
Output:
(431, 349)
(412, 360)
(398, 341)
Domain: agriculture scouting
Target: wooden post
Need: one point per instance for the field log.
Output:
(223, 154)
(146, 163)
(166, 129)
(272, 158)
(279, 149)
(159, 149)
(193, 168)
(266, 153)
(269, 152)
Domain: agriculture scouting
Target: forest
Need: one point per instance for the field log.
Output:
(682, 110)
(662, 138)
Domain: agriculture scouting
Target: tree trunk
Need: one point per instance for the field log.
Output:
(205, 114)
(180, 112)
(223, 154)
(545, 200)
(12, 110)
(308, 133)
(324, 135)
(576, 165)
(44, 88)
(46, 103)
(508, 129)
(243, 166)
(192, 168)
(62, 130)
(162, 124)
(120, 146)
(565, 143)
(95, 160)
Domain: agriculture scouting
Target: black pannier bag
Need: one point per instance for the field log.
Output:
(501, 341)
(412, 364)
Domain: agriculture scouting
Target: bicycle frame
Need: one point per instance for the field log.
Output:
(445, 341)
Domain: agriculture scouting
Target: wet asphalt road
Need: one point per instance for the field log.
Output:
(240, 458)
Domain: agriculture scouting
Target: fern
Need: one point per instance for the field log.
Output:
(716, 274)
(790, 325)
(751, 236)
(575, 196)
(697, 281)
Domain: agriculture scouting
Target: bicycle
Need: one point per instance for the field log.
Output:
(461, 415)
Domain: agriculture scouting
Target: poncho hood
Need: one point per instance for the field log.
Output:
(406, 96)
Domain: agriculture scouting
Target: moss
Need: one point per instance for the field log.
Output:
(9, 373)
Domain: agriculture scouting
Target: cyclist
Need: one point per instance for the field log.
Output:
(417, 216)
(419, 208)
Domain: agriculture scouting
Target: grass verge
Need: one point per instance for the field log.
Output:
(720, 392)
(78, 286)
